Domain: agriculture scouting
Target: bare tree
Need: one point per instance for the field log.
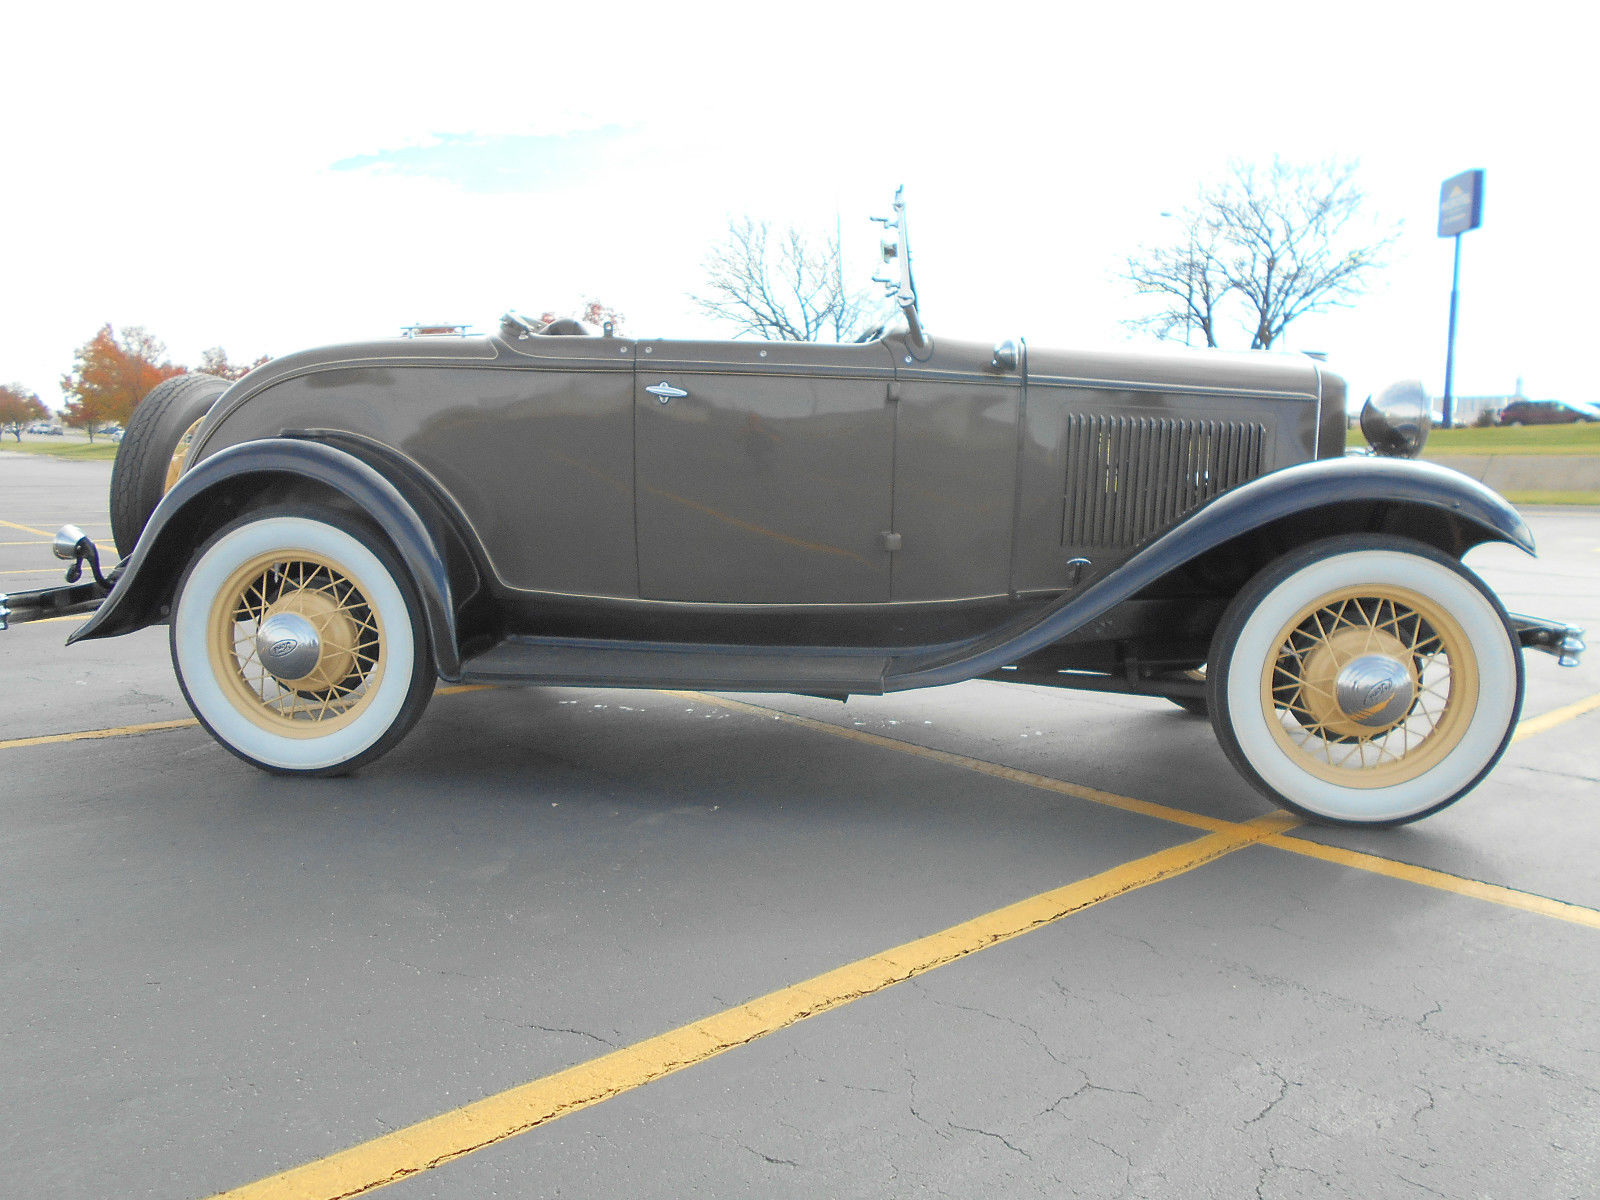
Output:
(782, 286)
(1190, 277)
(1274, 244)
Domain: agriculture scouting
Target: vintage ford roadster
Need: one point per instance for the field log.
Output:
(333, 533)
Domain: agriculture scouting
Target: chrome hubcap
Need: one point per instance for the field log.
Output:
(288, 646)
(1374, 690)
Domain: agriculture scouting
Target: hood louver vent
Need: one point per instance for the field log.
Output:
(1129, 478)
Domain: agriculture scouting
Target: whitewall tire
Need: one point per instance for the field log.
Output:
(299, 643)
(1365, 680)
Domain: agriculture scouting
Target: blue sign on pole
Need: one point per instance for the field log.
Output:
(1461, 203)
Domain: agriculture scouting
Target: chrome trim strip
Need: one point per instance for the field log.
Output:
(1189, 389)
(1316, 429)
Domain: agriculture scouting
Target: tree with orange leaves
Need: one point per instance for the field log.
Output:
(111, 373)
(215, 362)
(18, 406)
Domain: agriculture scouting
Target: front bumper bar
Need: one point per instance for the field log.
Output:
(1553, 637)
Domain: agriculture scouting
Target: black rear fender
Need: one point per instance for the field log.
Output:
(279, 471)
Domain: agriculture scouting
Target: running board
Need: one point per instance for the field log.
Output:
(578, 662)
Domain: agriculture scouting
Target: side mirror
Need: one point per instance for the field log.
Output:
(1396, 421)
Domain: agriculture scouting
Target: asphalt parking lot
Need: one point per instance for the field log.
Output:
(982, 940)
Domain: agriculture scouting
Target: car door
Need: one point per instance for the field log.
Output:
(763, 472)
(538, 453)
(955, 490)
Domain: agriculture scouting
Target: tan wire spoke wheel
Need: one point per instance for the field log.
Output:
(1410, 709)
(299, 646)
(1372, 684)
(319, 692)
(180, 456)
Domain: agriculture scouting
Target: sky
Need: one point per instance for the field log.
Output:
(268, 178)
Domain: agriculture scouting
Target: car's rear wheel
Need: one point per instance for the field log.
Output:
(154, 448)
(1365, 680)
(299, 642)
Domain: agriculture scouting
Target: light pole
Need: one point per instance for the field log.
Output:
(1450, 340)
(1460, 209)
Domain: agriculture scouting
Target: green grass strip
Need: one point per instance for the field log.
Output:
(101, 451)
(1528, 439)
(1590, 496)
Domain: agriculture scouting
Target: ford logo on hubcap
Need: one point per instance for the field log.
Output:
(1374, 690)
(288, 646)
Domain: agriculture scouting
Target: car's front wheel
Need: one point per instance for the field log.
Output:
(299, 642)
(1365, 680)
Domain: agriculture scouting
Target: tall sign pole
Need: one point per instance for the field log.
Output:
(1460, 209)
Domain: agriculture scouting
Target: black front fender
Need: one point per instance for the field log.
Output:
(150, 573)
(1477, 513)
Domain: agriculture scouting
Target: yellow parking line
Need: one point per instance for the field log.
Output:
(1425, 876)
(982, 767)
(441, 1139)
(1493, 893)
(88, 735)
(438, 1140)
(1555, 717)
(26, 529)
(48, 541)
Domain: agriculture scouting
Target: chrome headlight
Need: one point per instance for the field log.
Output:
(1396, 421)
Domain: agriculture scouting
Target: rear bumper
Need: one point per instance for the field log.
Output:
(1553, 637)
(17, 608)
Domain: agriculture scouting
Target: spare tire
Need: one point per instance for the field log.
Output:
(153, 450)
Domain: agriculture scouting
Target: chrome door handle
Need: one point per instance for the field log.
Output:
(665, 392)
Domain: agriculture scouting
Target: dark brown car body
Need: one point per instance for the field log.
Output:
(339, 529)
(890, 508)
(776, 479)
(353, 522)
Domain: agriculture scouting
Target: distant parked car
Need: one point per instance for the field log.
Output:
(1548, 412)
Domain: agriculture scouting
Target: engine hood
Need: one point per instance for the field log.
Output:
(1207, 371)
